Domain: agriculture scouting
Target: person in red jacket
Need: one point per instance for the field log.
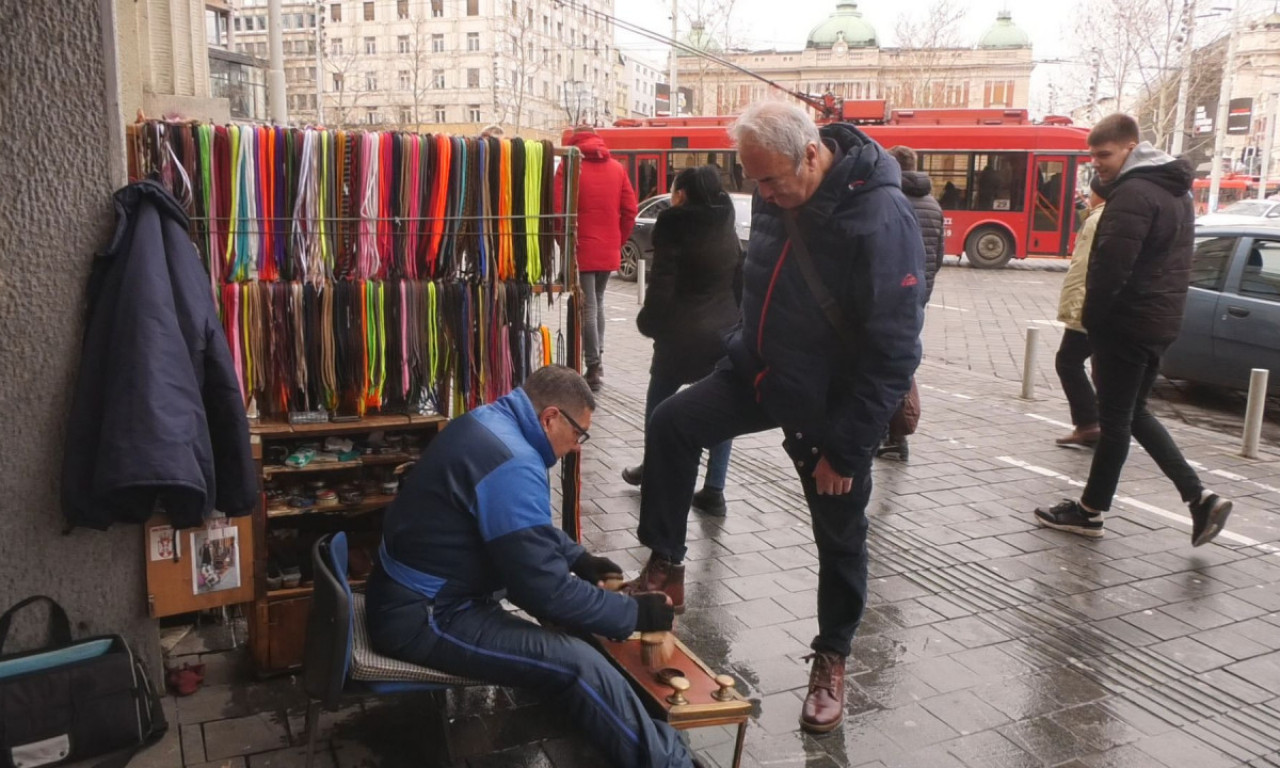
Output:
(606, 214)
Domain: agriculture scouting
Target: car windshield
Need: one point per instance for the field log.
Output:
(1248, 208)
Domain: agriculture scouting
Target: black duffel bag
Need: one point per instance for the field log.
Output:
(72, 700)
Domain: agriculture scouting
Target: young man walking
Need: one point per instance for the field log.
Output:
(1134, 296)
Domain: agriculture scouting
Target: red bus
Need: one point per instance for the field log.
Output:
(1232, 188)
(1007, 187)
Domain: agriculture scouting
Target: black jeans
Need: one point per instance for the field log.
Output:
(1124, 372)
(718, 408)
(1072, 352)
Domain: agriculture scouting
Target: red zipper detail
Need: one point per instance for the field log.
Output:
(764, 312)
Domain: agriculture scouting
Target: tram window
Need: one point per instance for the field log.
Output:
(949, 172)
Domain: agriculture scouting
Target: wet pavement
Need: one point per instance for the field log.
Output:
(988, 641)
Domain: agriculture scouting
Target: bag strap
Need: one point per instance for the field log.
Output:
(157, 724)
(826, 302)
(59, 625)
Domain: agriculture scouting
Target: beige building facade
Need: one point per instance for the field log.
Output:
(530, 66)
(842, 55)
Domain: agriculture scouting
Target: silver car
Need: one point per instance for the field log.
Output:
(639, 247)
(1232, 319)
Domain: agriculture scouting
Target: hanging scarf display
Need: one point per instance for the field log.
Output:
(365, 272)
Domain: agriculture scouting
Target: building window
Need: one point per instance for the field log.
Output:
(473, 113)
(368, 12)
(440, 114)
(335, 46)
(371, 81)
(337, 81)
(371, 116)
(404, 80)
(402, 9)
(473, 7)
(402, 44)
(473, 78)
(437, 78)
(515, 13)
(406, 116)
(473, 41)
(437, 43)
(371, 45)
(437, 8)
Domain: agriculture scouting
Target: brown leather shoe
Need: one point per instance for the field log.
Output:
(824, 705)
(660, 575)
(1087, 437)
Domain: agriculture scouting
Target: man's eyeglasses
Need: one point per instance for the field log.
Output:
(583, 435)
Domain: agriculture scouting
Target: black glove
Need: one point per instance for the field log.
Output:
(594, 569)
(656, 614)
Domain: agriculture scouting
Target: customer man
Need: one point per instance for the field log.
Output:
(1134, 295)
(829, 340)
(606, 214)
(918, 188)
(474, 518)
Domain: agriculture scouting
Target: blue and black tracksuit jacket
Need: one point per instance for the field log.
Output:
(473, 517)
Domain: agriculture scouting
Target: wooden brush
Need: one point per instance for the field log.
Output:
(656, 649)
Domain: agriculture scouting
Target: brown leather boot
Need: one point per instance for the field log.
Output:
(824, 705)
(660, 575)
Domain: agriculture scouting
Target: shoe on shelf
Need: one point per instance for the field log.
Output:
(1086, 437)
(710, 501)
(595, 376)
(824, 704)
(659, 575)
(633, 475)
(1208, 518)
(1069, 516)
(894, 449)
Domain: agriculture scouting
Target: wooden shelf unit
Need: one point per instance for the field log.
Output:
(278, 617)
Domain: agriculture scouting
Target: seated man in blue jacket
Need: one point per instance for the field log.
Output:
(473, 518)
(832, 305)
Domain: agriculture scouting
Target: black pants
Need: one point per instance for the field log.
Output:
(1124, 372)
(1072, 352)
(720, 407)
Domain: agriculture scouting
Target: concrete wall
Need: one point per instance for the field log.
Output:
(58, 152)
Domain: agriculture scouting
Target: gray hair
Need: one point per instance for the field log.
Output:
(776, 126)
(559, 386)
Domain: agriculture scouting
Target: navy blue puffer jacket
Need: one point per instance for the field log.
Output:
(834, 399)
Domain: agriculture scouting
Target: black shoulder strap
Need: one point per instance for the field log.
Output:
(826, 302)
(59, 625)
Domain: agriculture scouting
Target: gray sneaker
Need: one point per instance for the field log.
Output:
(1069, 516)
(1208, 518)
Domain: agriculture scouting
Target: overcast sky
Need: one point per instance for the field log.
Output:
(763, 24)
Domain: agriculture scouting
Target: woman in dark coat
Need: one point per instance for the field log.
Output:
(692, 302)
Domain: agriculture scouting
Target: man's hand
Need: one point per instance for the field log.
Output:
(831, 483)
(656, 613)
(594, 569)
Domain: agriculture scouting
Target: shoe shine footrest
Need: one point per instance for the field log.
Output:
(707, 700)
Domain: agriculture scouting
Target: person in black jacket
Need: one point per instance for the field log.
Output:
(829, 339)
(919, 190)
(692, 302)
(1135, 290)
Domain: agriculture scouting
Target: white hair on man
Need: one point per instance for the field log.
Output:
(776, 126)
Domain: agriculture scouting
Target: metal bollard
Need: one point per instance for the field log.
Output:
(1029, 364)
(1253, 412)
(640, 281)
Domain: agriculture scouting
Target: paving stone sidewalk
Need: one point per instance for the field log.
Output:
(988, 641)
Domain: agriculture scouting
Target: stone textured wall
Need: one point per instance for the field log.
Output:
(55, 212)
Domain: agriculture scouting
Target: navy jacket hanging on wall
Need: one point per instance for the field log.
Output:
(158, 422)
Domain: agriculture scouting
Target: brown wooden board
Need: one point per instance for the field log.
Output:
(702, 710)
(171, 580)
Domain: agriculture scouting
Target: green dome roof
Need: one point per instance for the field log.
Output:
(699, 38)
(1004, 34)
(845, 24)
